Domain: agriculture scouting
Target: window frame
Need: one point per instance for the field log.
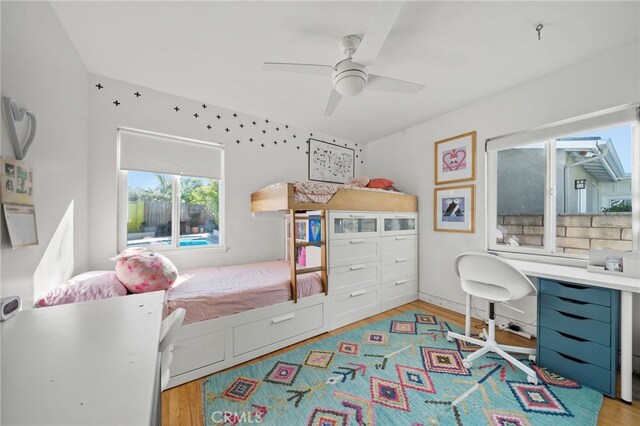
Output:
(123, 199)
(550, 208)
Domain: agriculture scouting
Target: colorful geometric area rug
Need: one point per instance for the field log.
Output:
(397, 371)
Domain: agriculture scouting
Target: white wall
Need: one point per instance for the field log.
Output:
(248, 167)
(42, 72)
(407, 156)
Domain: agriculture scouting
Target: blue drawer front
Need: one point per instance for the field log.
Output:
(588, 329)
(590, 352)
(582, 372)
(580, 293)
(583, 309)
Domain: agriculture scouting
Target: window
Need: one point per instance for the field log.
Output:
(566, 189)
(171, 192)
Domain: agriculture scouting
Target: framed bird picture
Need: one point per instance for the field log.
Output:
(455, 159)
(454, 209)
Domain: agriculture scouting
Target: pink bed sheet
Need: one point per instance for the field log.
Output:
(209, 293)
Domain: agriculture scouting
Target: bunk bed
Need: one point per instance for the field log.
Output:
(209, 345)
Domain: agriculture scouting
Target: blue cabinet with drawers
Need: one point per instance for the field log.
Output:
(578, 333)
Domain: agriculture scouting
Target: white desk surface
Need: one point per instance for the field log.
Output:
(85, 363)
(576, 274)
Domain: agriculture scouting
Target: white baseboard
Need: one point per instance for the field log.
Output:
(459, 308)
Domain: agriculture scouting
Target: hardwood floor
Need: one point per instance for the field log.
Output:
(182, 405)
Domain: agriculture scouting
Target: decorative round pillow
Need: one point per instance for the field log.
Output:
(141, 269)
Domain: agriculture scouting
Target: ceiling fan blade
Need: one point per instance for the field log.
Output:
(388, 84)
(314, 69)
(377, 32)
(332, 103)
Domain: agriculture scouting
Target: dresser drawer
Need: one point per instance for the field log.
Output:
(584, 328)
(353, 250)
(399, 223)
(398, 292)
(400, 246)
(346, 278)
(583, 309)
(354, 306)
(353, 225)
(580, 349)
(580, 371)
(399, 267)
(257, 334)
(580, 293)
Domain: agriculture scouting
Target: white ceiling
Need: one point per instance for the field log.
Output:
(462, 52)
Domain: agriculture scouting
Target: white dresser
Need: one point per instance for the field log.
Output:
(373, 263)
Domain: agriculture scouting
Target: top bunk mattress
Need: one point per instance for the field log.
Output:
(321, 192)
(208, 293)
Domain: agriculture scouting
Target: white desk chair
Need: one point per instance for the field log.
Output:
(490, 277)
(168, 330)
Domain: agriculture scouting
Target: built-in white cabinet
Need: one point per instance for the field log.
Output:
(373, 263)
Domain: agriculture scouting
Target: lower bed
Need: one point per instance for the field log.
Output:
(209, 293)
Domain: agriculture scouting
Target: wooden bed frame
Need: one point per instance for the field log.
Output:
(282, 197)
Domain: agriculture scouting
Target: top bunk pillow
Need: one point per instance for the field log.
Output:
(381, 183)
(141, 270)
(358, 181)
(92, 285)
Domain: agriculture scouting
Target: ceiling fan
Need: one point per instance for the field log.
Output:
(350, 76)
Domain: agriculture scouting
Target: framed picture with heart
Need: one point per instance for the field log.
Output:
(455, 159)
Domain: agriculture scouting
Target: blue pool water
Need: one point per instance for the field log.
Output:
(195, 243)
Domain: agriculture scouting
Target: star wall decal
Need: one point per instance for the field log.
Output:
(241, 125)
(226, 130)
(238, 141)
(253, 122)
(264, 131)
(137, 94)
(99, 86)
(266, 121)
(204, 106)
(209, 126)
(196, 115)
(277, 129)
(262, 145)
(235, 115)
(176, 108)
(250, 139)
(218, 117)
(116, 102)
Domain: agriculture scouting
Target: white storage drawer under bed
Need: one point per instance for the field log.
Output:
(260, 333)
(196, 352)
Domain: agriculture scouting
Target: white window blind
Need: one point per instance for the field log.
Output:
(155, 153)
(583, 124)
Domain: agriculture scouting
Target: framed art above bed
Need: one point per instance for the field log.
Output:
(330, 163)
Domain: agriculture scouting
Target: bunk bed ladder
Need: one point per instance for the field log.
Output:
(294, 245)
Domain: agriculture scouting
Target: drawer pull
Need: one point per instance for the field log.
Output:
(570, 358)
(578, 317)
(357, 215)
(399, 216)
(574, 286)
(576, 302)
(356, 241)
(401, 238)
(357, 267)
(283, 318)
(401, 282)
(357, 293)
(568, 336)
(402, 259)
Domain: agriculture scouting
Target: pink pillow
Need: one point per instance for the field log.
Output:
(141, 269)
(359, 181)
(380, 183)
(93, 285)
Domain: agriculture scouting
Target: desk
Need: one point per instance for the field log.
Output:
(627, 287)
(85, 363)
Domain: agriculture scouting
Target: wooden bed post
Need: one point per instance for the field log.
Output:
(323, 252)
(292, 255)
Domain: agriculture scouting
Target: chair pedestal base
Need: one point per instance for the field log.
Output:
(490, 345)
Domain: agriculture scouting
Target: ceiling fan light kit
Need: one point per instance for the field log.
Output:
(349, 78)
